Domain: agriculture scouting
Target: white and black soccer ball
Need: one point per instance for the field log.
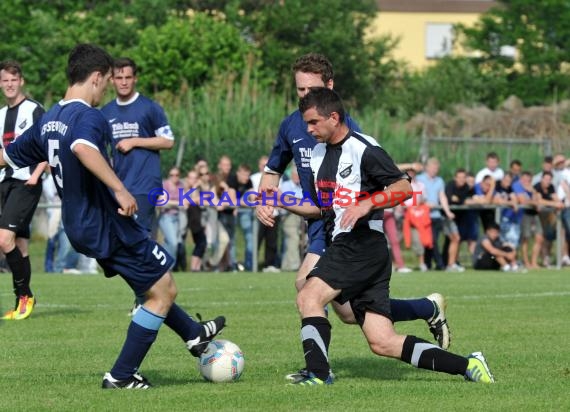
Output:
(222, 361)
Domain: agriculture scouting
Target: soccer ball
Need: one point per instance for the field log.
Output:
(222, 361)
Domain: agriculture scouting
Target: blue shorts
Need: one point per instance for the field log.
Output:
(141, 265)
(317, 237)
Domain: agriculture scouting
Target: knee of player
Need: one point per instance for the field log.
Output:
(7, 240)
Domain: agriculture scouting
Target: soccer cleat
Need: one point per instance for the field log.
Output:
(25, 307)
(310, 379)
(210, 329)
(438, 323)
(134, 382)
(302, 374)
(9, 315)
(478, 370)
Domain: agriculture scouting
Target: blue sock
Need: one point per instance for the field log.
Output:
(181, 323)
(140, 336)
(411, 309)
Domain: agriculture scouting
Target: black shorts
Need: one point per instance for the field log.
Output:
(359, 264)
(488, 261)
(18, 202)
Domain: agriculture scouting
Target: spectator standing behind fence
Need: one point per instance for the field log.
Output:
(20, 189)
(169, 213)
(227, 215)
(458, 193)
(549, 204)
(492, 168)
(510, 224)
(194, 220)
(291, 224)
(492, 253)
(140, 131)
(484, 192)
(515, 168)
(563, 192)
(267, 233)
(242, 185)
(417, 221)
(546, 167)
(435, 195)
(530, 223)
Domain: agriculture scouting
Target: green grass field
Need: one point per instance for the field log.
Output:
(56, 359)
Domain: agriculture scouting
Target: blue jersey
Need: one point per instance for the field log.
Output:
(294, 142)
(89, 209)
(139, 169)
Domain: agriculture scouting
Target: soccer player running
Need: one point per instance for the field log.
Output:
(20, 190)
(356, 266)
(97, 213)
(295, 143)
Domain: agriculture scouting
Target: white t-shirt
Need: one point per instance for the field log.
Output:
(496, 174)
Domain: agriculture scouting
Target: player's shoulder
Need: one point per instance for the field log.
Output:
(364, 139)
(33, 103)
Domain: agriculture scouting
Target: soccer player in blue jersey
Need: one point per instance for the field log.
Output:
(356, 266)
(140, 131)
(97, 213)
(295, 143)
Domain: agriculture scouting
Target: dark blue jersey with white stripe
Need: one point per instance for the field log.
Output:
(89, 209)
(139, 169)
(294, 142)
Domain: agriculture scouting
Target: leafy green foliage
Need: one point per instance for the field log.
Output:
(540, 31)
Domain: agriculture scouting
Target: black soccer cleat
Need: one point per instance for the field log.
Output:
(210, 329)
(134, 382)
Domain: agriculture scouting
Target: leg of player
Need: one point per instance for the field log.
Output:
(19, 263)
(384, 341)
(141, 334)
(431, 308)
(315, 332)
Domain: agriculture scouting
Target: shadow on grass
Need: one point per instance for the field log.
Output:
(372, 367)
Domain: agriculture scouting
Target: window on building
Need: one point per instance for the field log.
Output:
(439, 40)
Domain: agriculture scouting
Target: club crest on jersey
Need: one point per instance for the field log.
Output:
(23, 124)
(345, 170)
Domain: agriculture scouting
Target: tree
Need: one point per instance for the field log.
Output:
(540, 32)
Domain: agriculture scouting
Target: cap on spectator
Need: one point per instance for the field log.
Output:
(558, 159)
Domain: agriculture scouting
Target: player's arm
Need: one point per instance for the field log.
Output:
(92, 159)
(149, 143)
(35, 176)
(488, 246)
(295, 205)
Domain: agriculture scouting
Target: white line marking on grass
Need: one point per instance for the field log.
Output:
(513, 295)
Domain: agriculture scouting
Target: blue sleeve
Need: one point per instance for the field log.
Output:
(160, 122)
(517, 188)
(478, 190)
(282, 152)
(92, 128)
(27, 149)
(351, 123)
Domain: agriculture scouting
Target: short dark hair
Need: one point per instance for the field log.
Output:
(86, 59)
(12, 67)
(547, 173)
(123, 62)
(516, 162)
(547, 159)
(493, 225)
(325, 100)
(314, 63)
(460, 170)
(492, 155)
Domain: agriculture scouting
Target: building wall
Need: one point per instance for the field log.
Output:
(412, 28)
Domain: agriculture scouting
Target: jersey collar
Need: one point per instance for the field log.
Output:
(132, 99)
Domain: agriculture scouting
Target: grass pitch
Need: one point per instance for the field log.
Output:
(56, 359)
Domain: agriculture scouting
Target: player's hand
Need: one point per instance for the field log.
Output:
(32, 181)
(265, 214)
(352, 214)
(125, 146)
(127, 203)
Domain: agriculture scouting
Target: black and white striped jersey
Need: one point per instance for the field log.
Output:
(352, 169)
(13, 122)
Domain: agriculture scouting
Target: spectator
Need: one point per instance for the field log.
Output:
(558, 167)
(435, 196)
(194, 218)
(224, 197)
(291, 224)
(267, 233)
(530, 223)
(563, 192)
(458, 193)
(417, 221)
(492, 169)
(547, 166)
(510, 225)
(549, 203)
(470, 232)
(484, 192)
(492, 254)
(227, 214)
(515, 168)
(241, 183)
(168, 222)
